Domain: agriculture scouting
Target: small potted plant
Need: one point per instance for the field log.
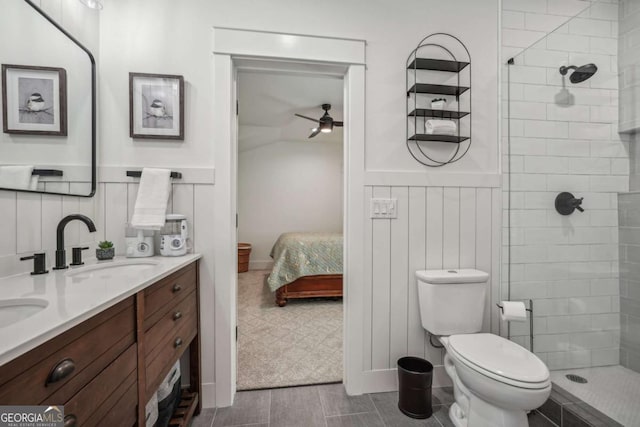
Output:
(105, 250)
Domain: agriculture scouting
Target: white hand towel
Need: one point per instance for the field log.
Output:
(440, 127)
(18, 177)
(151, 202)
(151, 411)
(166, 386)
(33, 185)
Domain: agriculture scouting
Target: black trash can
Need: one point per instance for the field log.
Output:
(415, 376)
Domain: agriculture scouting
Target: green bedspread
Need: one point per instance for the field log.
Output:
(305, 254)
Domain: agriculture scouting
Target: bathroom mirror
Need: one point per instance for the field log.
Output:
(48, 108)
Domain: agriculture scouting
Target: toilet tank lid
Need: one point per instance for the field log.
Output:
(463, 275)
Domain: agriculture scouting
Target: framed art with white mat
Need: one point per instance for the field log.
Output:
(156, 106)
(34, 100)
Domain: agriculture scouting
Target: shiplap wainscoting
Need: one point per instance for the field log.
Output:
(30, 220)
(29, 224)
(436, 228)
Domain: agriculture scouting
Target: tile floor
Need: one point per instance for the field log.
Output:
(613, 390)
(328, 406)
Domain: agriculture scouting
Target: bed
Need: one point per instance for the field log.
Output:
(306, 265)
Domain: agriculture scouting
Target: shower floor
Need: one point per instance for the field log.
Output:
(613, 390)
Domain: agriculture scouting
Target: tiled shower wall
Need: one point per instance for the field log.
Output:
(629, 205)
(563, 138)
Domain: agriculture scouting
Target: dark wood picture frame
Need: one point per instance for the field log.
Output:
(62, 101)
(161, 79)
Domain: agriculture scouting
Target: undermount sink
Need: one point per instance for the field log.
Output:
(15, 310)
(111, 269)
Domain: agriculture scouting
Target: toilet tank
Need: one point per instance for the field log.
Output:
(452, 301)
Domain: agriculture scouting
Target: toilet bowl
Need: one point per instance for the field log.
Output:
(495, 381)
(498, 381)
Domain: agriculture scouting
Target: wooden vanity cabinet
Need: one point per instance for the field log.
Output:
(169, 324)
(105, 369)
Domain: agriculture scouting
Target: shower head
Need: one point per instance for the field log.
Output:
(579, 74)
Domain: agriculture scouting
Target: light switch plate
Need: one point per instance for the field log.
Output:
(384, 208)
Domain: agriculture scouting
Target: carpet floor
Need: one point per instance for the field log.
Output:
(298, 344)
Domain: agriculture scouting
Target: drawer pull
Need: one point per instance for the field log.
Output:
(176, 288)
(177, 315)
(70, 420)
(177, 343)
(60, 371)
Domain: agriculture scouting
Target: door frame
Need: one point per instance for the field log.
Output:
(229, 47)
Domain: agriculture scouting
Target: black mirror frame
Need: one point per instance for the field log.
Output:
(93, 110)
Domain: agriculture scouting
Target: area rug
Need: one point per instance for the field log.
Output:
(298, 344)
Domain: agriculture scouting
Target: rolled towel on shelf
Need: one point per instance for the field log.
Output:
(440, 127)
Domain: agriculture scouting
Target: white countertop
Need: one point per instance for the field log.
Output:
(74, 299)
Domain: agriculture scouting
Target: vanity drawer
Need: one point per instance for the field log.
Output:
(170, 322)
(106, 394)
(74, 357)
(172, 345)
(163, 296)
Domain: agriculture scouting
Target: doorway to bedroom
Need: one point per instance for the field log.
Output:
(290, 181)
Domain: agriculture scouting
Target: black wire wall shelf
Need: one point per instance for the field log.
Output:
(438, 89)
(420, 68)
(439, 114)
(437, 65)
(440, 138)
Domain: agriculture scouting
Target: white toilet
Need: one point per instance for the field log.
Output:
(495, 380)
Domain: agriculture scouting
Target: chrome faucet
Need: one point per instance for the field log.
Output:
(61, 256)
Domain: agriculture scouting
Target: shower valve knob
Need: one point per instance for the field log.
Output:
(566, 203)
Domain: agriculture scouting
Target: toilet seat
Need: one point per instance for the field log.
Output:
(500, 359)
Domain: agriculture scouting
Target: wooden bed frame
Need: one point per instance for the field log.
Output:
(326, 285)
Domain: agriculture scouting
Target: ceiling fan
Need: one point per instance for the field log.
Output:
(325, 123)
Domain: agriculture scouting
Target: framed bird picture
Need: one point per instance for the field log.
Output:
(156, 106)
(34, 100)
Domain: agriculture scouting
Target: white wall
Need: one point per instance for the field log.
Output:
(392, 31)
(163, 38)
(568, 265)
(129, 43)
(288, 186)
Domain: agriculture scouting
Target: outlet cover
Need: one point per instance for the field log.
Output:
(384, 208)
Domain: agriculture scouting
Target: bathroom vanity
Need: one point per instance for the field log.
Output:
(103, 340)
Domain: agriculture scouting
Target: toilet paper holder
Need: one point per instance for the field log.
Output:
(530, 310)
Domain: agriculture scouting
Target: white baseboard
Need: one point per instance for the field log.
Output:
(208, 397)
(260, 265)
(385, 380)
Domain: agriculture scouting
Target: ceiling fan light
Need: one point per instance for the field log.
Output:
(325, 127)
